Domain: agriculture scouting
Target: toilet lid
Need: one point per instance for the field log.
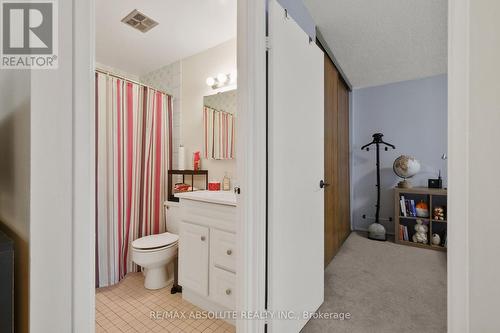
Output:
(155, 241)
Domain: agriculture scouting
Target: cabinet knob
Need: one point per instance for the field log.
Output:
(228, 291)
(229, 252)
(202, 238)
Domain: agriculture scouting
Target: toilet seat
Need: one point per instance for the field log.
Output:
(155, 242)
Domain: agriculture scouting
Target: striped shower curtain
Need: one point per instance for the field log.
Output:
(133, 154)
(218, 131)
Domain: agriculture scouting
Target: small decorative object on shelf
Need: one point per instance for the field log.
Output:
(420, 235)
(422, 209)
(436, 240)
(405, 167)
(214, 186)
(412, 228)
(226, 183)
(196, 161)
(439, 214)
(435, 183)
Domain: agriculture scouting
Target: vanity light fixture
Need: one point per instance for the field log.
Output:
(219, 81)
(222, 78)
(210, 81)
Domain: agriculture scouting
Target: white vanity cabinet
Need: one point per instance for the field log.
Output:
(207, 252)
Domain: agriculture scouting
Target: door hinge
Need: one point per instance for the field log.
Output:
(268, 43)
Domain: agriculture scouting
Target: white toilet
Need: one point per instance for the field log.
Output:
(153, 253)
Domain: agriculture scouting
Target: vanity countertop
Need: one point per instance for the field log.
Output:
(217, 197)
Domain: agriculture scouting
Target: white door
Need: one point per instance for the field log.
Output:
(295, 150)
(193, 258)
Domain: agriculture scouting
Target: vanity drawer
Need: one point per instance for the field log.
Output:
(222, 287)
(223, 249)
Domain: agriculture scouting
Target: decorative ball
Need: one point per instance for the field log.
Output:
(436, 240)
(422, 209)
(438, 213)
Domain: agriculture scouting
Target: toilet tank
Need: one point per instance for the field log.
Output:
(172, 213)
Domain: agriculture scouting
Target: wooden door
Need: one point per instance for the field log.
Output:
(337, 193)
(295, 167)
(344, 189)
(331, 159)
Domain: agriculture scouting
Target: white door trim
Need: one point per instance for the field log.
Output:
(83, 167)
(251, 162)
(458, 166)
(251, 155)
(61, 184)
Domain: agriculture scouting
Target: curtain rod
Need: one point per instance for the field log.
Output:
(132, 81)
(206, 106)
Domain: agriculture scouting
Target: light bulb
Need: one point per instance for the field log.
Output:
(210, 81)
(221, 78)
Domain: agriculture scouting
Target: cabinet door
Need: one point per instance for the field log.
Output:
(193, 257)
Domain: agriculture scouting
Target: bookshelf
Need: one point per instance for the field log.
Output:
(433, 198)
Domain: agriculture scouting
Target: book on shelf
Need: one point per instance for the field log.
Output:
(403, 206)
(408, 207)
(413, 208)
(403, 232)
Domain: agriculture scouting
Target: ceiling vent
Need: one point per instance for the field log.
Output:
(139, 21)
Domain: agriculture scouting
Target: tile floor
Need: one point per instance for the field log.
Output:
(127, 307)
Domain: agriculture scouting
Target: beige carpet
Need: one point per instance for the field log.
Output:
(385, 287)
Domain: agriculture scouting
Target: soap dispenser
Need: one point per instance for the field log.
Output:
(226, 182)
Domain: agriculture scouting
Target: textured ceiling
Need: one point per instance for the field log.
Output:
(384, 41)
(186, 27)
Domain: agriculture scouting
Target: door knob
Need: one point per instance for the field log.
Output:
(322, 184)
(229, 252)
(202, 238)
(228, 291)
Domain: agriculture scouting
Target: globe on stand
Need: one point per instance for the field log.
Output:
(406, 167)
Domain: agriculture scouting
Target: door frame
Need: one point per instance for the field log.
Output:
(76, 135)
(458, 171)
(251, 67)
(252, 162)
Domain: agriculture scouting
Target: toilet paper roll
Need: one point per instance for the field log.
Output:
(181, 159)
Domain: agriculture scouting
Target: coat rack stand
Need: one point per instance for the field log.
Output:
(376, 231)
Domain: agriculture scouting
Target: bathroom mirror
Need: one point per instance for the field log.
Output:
(219, 113)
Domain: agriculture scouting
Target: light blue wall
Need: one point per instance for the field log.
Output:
(412, 115)
(298, 11)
